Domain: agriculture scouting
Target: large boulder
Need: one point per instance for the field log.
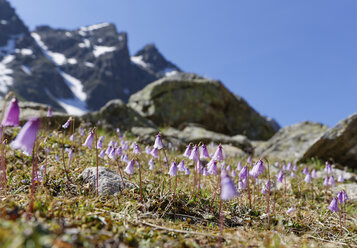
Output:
(291, 142)
(174, 101)
(115, 114)
(338, 144)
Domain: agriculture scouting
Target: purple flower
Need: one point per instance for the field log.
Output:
(257, 170)
(81, 131)
(305, 171)
(173, 169)
(292, 174)
(109, 150)
(187, 171)
(333, 205)
(198, 166)
(154, 153)
(295, 167)
(326, 180)
(102, 153)
(57, 158)
(228, 168)
(100, 142)
(151, 164)
(205, 172)
(290, 210)
(11, 118)
(118, 151)
(27, 136)
(204, 152)
(340, 179)
(308, 178)
(136, 149)
(70, 156)
(112, 154)
(243, 173)
(147, 149)
(280, 176)
(132, 146)
(234, 174)
(130, 168)
(158, 142)
(249, 160)
(89, 140)
(264, 190)
(313, 173)
(242, 184)
(72, 137)
(49, 112)
(239, 166)
(68, 122)
(187, 152)
(342, 197)
(228, 189)
(289, 167)
(328, 168)
(284, 167)
(125, 158)
(213, 170)
(181, 166)
(194, 154)
(331, 181)
(218, 155)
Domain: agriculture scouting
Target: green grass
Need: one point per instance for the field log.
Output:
(70, 214)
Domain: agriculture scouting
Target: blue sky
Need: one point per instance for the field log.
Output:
(291, 60)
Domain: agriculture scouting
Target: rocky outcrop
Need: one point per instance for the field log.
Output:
(73, 70)
(115, 114)
(177, 100)
(192, 134)
(338, 144)
(109, 182)
(291, 142)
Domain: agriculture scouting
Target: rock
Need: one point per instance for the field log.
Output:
(229, 151)
(174, 101)
(338, 144)
(109, 181)
(349, 188)
(348, 176)
(115, 114)
(291, 142)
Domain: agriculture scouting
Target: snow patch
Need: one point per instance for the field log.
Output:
(68, 34)
(100, 50)
(3, 22)
(26, 69)
(71, 106)
(139, 61)
(75, 85)
(169, 71)
(11, 44)
(85, 44)
(72, 61)
(5, 79)
(94, 27)
(24, 51)
(89, 64)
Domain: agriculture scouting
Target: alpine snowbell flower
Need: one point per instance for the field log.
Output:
(218, 155)
(118, 151)
(158, 142)
(239, 166)
(333, 205)
(187, 171)
(136, 149)
(331, 181)
(194, 154)
(49, 112)
(243, 173)
(151, 164)
(147, 149)
(130, 168)
(173, 169)
(100, 142)
(187, 152)
(181, 166)
(313, 173)
(25, 140)
(89, 140)
(68, 122)
(154, 153)
(290, 210)
(204, 152)
(280, 176)
(305, 171)
(307, 178)
(340, 179)
(11, 118)
(112, 154)
(102, 153)
(228, 189)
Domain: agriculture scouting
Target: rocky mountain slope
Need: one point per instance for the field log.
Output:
(74, 70)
